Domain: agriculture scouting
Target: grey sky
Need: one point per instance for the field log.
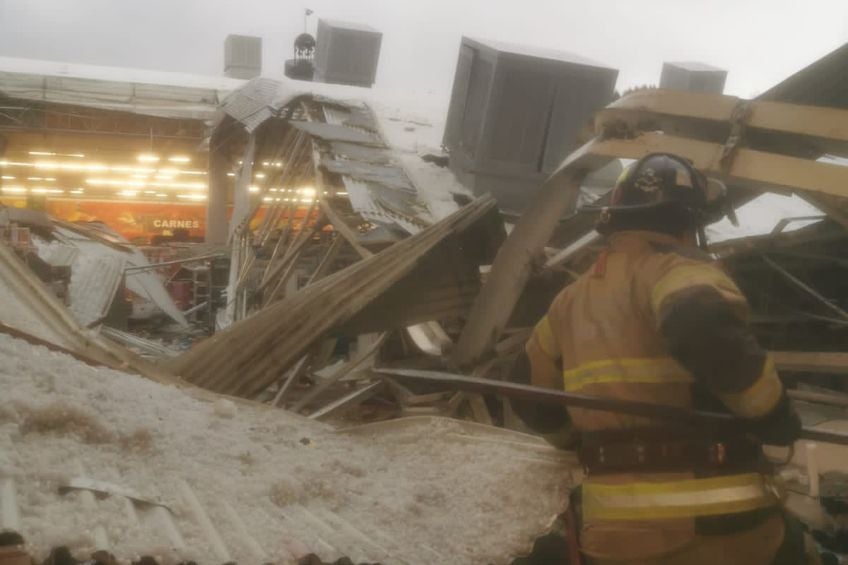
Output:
(759, 41)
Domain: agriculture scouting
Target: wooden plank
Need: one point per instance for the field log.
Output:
(327, 260)
(347, 402)
(293, 376)
(515, 259)
(479, 409)
(345, 369)
(830, 362)
(749, 168)
(430, 398)
(826, 124)
(829, 398)
(341, 226)
(807, 289)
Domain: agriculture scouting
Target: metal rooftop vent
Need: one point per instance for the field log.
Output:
(347, 53)
(516, 112)
(693, 76)
(242, 56)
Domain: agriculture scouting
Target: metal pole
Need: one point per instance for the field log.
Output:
(552, 396)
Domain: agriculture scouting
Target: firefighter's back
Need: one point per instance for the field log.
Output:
(640, 505)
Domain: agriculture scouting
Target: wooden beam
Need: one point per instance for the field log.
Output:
(829, 125)
(345, 369)
(479, 409)
(341, 226)
(348, 401)
(830, 362)
(832, 398)
(514, 262)
(293, 376)
(807, 289)
(327, 260)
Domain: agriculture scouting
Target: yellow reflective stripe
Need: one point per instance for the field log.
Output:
(687, 276)
(545, 338)
(686, 498)
(758, 399)
(651, 371)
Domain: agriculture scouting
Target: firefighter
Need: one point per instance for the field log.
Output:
(655, 320)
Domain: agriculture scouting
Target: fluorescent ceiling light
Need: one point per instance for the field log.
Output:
(14, 189)
(148, 158)
(179, 159)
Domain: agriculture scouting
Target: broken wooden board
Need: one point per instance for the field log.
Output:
(826, 128)
(835, 363)
(746, 168)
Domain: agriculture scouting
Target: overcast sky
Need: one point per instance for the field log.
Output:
(759, 41)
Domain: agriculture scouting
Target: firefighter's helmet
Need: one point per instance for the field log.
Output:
(662, 192)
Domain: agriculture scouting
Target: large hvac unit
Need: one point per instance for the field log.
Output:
(347, 53)
(516, 112)
(242, 56)
(694, 77)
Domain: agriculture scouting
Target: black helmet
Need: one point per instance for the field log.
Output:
(661, 192)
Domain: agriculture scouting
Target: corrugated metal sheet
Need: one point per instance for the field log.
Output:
(91, 263)
(363, 201)
(361, 153)
(386, 175)
(94, 284)
(331, 132)
(351, 146)
(29, 307)
(256, 101)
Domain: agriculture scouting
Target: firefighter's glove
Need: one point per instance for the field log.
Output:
(781, 426)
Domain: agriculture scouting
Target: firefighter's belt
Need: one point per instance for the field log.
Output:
(669, 455)
(687, 498)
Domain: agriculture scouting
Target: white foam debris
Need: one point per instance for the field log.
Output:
(438, 491)
(225, 408)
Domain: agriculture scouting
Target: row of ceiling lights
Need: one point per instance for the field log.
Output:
(139, 176)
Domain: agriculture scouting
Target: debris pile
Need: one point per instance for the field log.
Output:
(180, 474)
(340, 271)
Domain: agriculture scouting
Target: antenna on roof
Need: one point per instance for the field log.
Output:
(306, 14)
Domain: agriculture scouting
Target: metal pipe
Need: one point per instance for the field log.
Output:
(174, 262)
(552, 396)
